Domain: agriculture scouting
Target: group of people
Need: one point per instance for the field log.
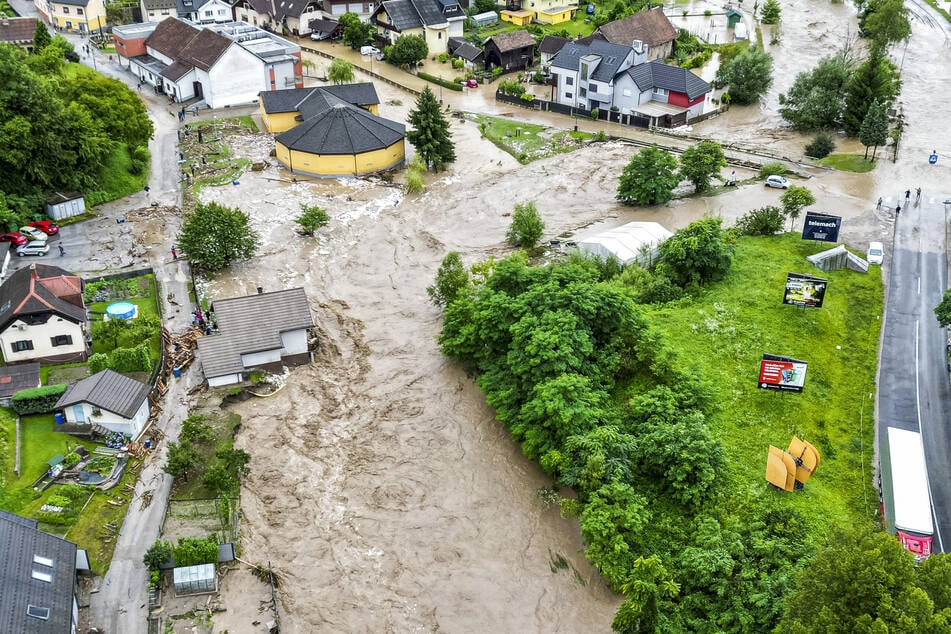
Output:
(199, 319)
(881, 200)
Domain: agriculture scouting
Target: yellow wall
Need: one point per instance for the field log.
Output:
(518, 18)
(278, 122)
(331, 165)
(554, 17)
(92, 18)
(437, 40)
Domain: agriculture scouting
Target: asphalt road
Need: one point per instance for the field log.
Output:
(914, 391)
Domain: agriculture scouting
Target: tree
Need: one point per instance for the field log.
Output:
(649, 178)
(235, 460)
(817, 97)
(527, 226)
(430, 134)
(876, 78)
(821, 146)
(612, 524)
(407, 49)
(340, 71)
(182, 460)
(794, 200)
(698, 253)
(219, 478)
(213, 236)
(483, 6)
(356, 33)
(41, 37)
(194, 428)
(110, 329)
(885, 22)
(749, 74)
(765, 221)
(158, 554)
(451, 280)
(943, 310)
(649, 585)
(700, 162)
(874, 129)
(770, 12)
(118, 110)
(311, 219)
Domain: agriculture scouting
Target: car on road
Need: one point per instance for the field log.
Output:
(35, 247)
(33, 234)
(472, 83)
(16, 238)
(779, 182)
(320, 35)
(369, 50)
(876, 253)
(46, 226)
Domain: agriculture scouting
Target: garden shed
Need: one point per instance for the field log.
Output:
(634, 242)
(198, 579)
(65, 205)
(485, 19)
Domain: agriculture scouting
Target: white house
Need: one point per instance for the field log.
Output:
(42, 316)
(585, 73)
(658, 90)
(264, 331)
(109, 399)
(293, 15)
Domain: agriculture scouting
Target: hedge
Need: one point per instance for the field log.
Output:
(37, 400)
(451, 85)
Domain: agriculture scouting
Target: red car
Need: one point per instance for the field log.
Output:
(46, 226)
(18, 239)
(472, 83)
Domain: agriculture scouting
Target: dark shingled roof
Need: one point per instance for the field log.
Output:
(468, 52)
(512, 40)
(17, 30)
(14, 378)
(657, 74)
(171, 36)
(320, 25)
(203, 50)
(402, 14)
(293, 99)
(176, 70)
(551, 44)
(107, 390)
(251, 324)
(25, 552)
(650, 27)
(612, 55)
(41, 289)
(342, 129)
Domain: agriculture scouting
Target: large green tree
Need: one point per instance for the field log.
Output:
(700, 163)
(817, 97)
(41, 37)
(430, 134)
(340, 71)
(213, 236)
(527, 226)
(699, 253)
(118, 110)
(356, 33)
(794, 200)
(452, 279)
(749, 75)
(874, 129)
(183, 460)
(407, 49)
(649, 178)
(875, 79)
(885, 22)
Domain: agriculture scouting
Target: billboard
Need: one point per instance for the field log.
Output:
(821, 227)
(781, 373)
(804, 290)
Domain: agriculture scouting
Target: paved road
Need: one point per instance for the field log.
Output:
(914, 391)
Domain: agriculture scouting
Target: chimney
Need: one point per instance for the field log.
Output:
(33, 270)
(640, 52)
(260, 290)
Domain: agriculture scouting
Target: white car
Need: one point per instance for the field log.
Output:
(369, 50)
(33, 233)
(36, 247)
(876, 253)
(779, 182)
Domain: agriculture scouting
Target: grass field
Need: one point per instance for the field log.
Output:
(848, 163)
(722, 335)
(528, 142)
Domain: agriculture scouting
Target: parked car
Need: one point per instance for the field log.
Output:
(33, 234)
(779, 182)
(472, 83)
(369, 50)
(16, 238)
(876, 253)
(46, 226)
(35, 247)
(318, 36)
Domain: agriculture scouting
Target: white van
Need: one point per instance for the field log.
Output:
(369, 50)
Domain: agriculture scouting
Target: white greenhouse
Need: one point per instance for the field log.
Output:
(634, 242)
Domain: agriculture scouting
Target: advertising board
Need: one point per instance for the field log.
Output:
(804, 290)
(821, 227)
(782, 373)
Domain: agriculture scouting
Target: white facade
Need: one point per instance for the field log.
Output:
(627, 96)
(89, 414)
(577, 88)
(58, 336)
(237, 77)
(294, 342)
(226, 379)
(212, 11)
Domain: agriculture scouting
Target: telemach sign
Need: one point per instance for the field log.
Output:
(821, 227)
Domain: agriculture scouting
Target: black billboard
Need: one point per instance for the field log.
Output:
(804, 290)
(821, 227)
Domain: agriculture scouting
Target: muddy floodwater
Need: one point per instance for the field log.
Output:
(382, 490)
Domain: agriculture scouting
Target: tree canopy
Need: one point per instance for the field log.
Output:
(816, 99)
(356, 33)
(700, 162)
(885, 22)
(649, 178)
(699, 253)
(407, 49)
(749, 75)
(874, 129)
(527, 226)
(340, 71)
(430, 134)
(213, 236)
(794, 200)
(875, 79)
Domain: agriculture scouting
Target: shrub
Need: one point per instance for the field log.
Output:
(98, 362)
(595, 112)
(765, 221)
(311, 219)
(822, 146)
(159, 553)
(458, 63)
(415, 183)
(135, 359)
(497, 72)
(37, 400)
(192, 551)
(772, 169)
(71, 458)
(527, 97)
(527, 226)
(451, 85)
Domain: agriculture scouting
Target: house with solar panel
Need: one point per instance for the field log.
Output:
(332, 131)
(435, 20)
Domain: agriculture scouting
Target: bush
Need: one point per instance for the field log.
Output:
(527, 226)
(158, 554)
(772, 169)
(137, 359)
(37, 400)
(511, 87)
(415, 183)
(765, 221)
(311, 219)
(443, 58)
(822, 146)
(458, 63)
(98, 362)
(527, 97)
(451, 85)
(192, 551)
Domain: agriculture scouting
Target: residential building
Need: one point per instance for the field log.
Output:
(522, 12)
(223, 64)
(38, 577)
(651, 28)
(434, 20)
(17, 31)
(263, 331)
(584, 73)
(158, 10)
(548, 48)
(13, 378)
(205, 11)
(472, 56)
(107, 399)
(669, 95)
(512, 51)
(290, 16)
(42, 316)
(73, 16)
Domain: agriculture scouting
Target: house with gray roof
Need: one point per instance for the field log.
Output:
(584, 73)
(436, 21)
(109, 399)
(668, 95)
(549, 47)
(293, 15)
(472, 56)
(264, 331)
(38, 578)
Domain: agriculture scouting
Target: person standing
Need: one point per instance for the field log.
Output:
(879, 205)
(907, 195)
(174, 253)
(918, 195)
(897, 210)
(62, 251)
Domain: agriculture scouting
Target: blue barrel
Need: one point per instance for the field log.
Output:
(59, 418)
(148, 444)
(177, 373)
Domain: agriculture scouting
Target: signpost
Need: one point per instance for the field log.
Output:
(821, 227)
(804, 290)
(781, 374)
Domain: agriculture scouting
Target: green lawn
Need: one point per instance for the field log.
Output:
(528, 142)
(848, 163)
(572, 28)
(722, 336)
(147, 308)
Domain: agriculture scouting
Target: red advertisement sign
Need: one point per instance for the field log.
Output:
(782, 373)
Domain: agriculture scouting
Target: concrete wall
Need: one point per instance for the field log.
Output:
(41, 336)
(236, 78)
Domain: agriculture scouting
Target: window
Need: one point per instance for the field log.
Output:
(61, 340)
(626, 92)
(569, 81)
(208, 14)
(38, 612)
(660, 92)
(45, 561)
(66, 10)
(42, 576)
(79, 11)
(568, 95)
(584, 72)
(22, 346)
(583, 92)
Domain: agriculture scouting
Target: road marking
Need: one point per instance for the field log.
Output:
(934, 516)
(919, 286)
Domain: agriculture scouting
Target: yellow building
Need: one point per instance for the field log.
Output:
(332, 131)
(555, 15)
(434, 20)
(77, 16)
(518, 18)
